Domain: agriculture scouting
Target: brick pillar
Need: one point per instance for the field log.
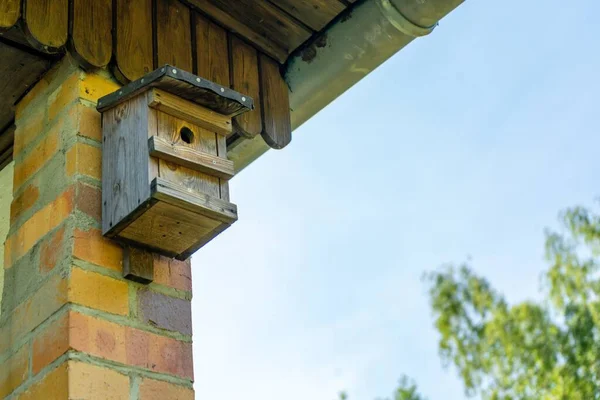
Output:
(71, 327)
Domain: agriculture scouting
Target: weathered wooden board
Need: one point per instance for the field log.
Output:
(245, 79)
(10, 11)
(169, 129)
(133, 39)
(211, 51)
(187, 86)
(174, 34)
(313, 13)
(269, 28)
(90, 32)
(124, 163)
(6, 146)
(46, 24)
(188, 111)
(222, 153)
(277, 126)
(138, 265)
(19, 70)
(190, 158)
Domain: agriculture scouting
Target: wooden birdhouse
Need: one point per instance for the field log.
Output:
(165, 170)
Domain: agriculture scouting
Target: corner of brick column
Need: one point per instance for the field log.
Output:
(71, 326)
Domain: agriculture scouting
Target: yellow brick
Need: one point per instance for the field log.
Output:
(99, 292)
(37, 226)
(95, 86)
(90, 246)
(53, 386)
(28, 129)
(84, 159)
(67, 93)
(90, 124)
(36, 92)
(14, 371)
(157, 390)
(41, 305)
(91, 382)
(38, 156)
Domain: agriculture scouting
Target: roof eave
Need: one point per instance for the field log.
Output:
(345, 52)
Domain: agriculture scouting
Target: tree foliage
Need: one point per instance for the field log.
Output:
(548, 350)
(406, 390)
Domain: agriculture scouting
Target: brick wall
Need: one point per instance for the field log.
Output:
(71, 326)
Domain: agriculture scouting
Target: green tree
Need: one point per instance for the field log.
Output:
(547, 350)
(406, 390)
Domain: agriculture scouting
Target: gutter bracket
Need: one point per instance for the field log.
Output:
(400, 22)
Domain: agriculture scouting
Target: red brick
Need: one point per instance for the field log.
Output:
(89, 201)
(130, 346)
(51, 343)
(165, 312)
(52, 251)
(173, 273)
(24, 201)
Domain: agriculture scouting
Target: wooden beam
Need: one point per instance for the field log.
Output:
(10, 11)
(245, 79)
(46, 24)
(173, 34)
(133, 49)
(277, 126)
(259, 37)
(90, 32)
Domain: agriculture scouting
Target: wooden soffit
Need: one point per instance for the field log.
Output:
(134, 34)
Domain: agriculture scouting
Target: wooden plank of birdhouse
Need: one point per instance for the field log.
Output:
(90, 30)
(222, 153)
(171, 129)
(190, 158)
(46, 24)
(211, 51)
(314, 13)
(133, 39)
(173, 34)
(188, 111)
(138, 265)
(245, 79)
(169, 229)
(200, 203)
(277, 127)
(124, 163)
(10, 11)
(228, 14)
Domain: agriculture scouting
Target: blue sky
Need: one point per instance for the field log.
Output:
(472, 140)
